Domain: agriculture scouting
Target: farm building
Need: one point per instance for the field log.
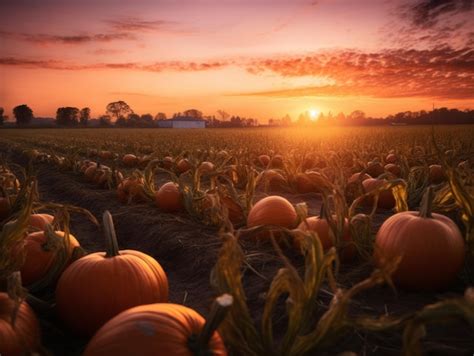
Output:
(183, 122)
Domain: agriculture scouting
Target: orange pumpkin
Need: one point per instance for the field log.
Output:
(41, 254)
(391, 158)
(272, 210)
(436, 174)
(130, 160)
(272, 180)
(24, 337)
(321, 226)
(131, 190)
(206, 167)
(155, 329)
(106, 155)
(183, 165)
(357, 176)
(119, 280)
(430, 245)
(39, 221)
(5, 208)
(167, 162)
(386, 198)
(304, 184)
(168, 198)
(264, 160)
(375, 169)
(277, 161)
(394, 169)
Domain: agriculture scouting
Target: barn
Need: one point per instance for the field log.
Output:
(183, 122)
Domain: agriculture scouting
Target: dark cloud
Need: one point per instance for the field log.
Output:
(134, 24)
(426, 13)
(46, 39)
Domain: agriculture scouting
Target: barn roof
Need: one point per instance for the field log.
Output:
(185, 118)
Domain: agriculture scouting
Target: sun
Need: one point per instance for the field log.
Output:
(313, 114)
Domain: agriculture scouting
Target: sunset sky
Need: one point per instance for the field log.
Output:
(258, 58)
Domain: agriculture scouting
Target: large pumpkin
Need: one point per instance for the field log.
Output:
(272, 210)
(24, 337)
(386, 198)
(101, 285)
(154, 330)
(430, 246)
(168, 198)
(42, 253)
(39, 221)
(320, 225)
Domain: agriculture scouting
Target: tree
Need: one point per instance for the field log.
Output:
(105, 121)
(133, 120)
(85, 115)
(2, 117)
(67, 116)
(196, 114)
(160, 116)
(23, 114)
(146, 120)
(223, 114)
(357, 115)
(118, 109)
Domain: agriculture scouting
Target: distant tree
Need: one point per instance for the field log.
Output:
(133, 120)
(160, 116)
(85, 115)
(67, 116)
(23, 114)
(286, 120)
(340, 117)
(118, 109)
(146, 120)
(357, 115)
(121, 122)
(196, 114)
(105, 121)
(2, 117)
(223, 114)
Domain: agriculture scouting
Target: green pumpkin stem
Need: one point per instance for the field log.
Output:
(219, 310)
(425, 209)
(111, 239)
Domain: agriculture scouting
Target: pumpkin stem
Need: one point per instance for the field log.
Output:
(425, 209)
(321, 211)
(111, 238)
(219, 310)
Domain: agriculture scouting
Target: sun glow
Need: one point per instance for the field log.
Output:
(313, 114)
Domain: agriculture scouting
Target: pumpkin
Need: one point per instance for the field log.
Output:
(91, 172)
(436, 174)
(391, 158)
(375, 169)
(116, 280)
(394, 169)
(277, 161)
(5, 207)
(168, 198)
(430, 245)
(167, 162)
(272, 210)
(358, 176)
(386, 199)
(206, 167)
(24, 337)
(39, 221)
(304, 184)
(130, 160)
(222, 154)
(264, 160)
(131, 190)
(183, 165)
(106, 155)
(42, 251)
(159, 329)
(272, 180)
(320, 225)
(105, 175)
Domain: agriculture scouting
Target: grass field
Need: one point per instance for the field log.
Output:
(293, 293)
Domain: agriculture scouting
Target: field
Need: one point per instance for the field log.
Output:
(302, 295)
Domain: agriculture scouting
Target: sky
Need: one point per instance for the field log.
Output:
(253, 58)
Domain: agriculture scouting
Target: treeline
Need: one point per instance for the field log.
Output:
(119, 114)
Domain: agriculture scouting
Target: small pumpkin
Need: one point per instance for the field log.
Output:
(277, 161)
(375, 169)
(183, 165)
(358, 177)
(167, 162)
(161, 329)
(106, 155)
(386, 199)
(394, 169)
(5, 208)
(436, 174)
(430, 245)
(206, 167)
(22, 337)
(168, 198)
(118, 280)
(44, 250)
(272, 210)
(320, 225)
(391, 158)
(272, 181)
(130, 160)
(304, 184)
(264, 160)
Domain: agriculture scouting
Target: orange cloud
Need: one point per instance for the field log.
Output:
(46, 39)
